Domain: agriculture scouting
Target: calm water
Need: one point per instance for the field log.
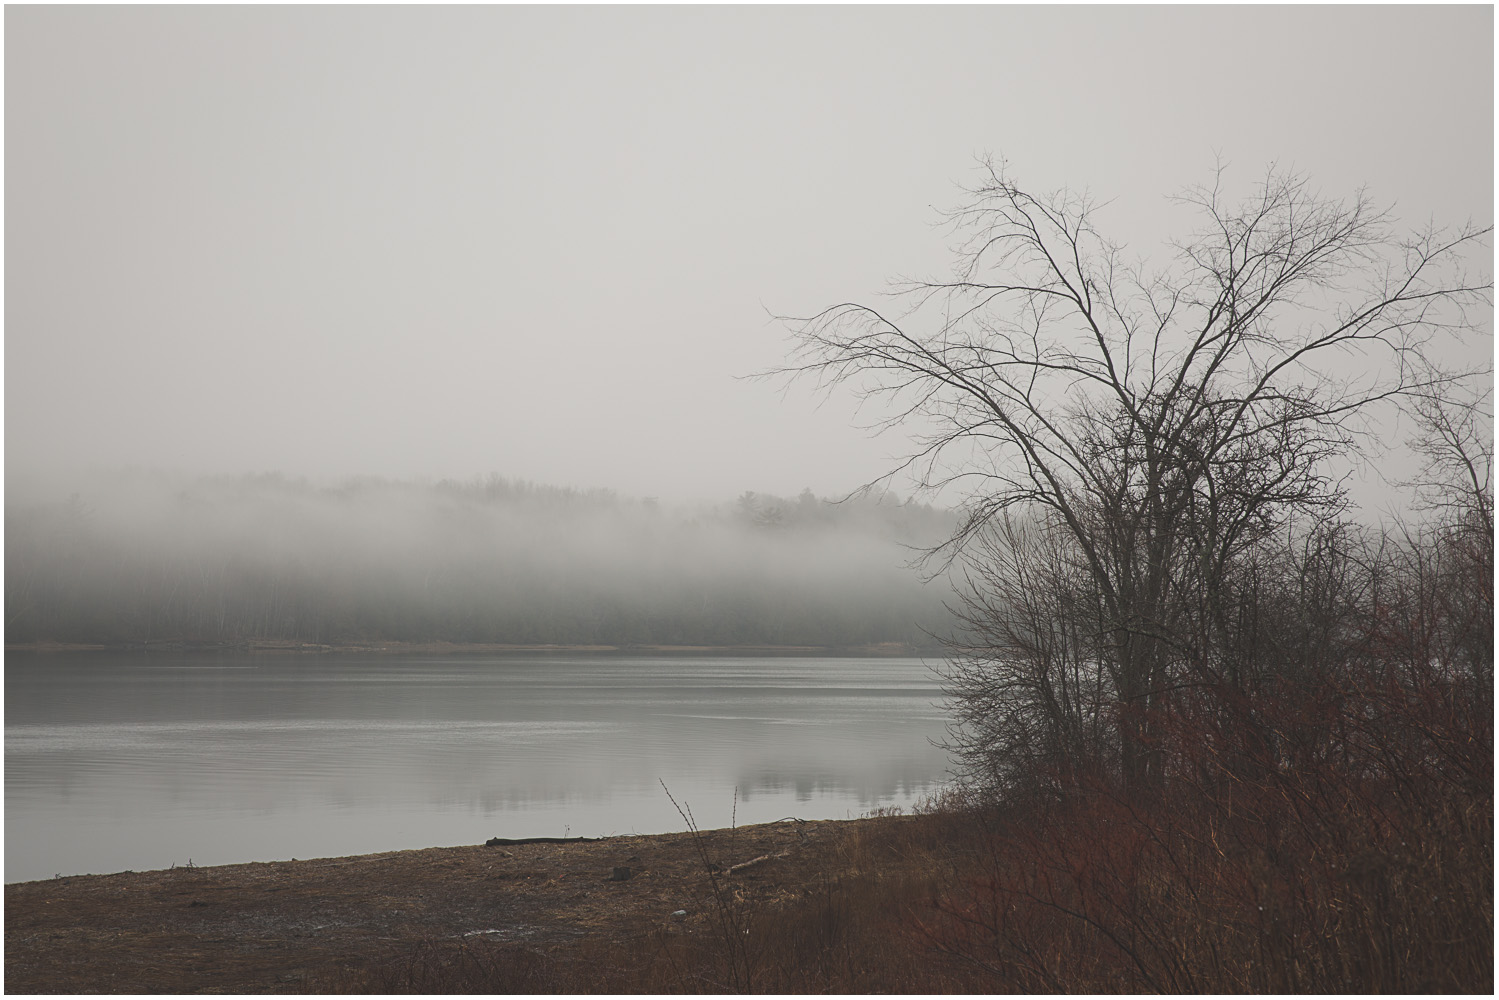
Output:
(115, 763)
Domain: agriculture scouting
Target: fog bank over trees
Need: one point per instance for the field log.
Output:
(140, 557)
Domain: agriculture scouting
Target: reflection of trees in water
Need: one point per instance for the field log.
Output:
(305, 748)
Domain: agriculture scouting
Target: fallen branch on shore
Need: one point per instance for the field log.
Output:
(754, 861)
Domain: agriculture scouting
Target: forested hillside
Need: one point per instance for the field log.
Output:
(137, 557)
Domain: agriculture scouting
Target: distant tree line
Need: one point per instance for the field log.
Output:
(142, 557)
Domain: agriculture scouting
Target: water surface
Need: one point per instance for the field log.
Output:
(126, 762)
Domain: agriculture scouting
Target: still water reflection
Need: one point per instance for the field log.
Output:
(115, 763)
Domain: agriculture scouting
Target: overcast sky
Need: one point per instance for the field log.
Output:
(543, 242)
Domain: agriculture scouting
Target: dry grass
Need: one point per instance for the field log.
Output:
(1356, 857)
(851, 930)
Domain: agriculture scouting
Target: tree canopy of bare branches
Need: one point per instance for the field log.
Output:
(1161, 421)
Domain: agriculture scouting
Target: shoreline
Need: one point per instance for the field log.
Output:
(300, 925)
(233, 869)
(292, 646)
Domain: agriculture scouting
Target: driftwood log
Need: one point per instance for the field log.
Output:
(755, 861)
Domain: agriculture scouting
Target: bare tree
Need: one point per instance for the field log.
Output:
(1450, 559)
(1164, 420)
(1029, 692)
(1455, 438)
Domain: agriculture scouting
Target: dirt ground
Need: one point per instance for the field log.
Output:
(305, 926)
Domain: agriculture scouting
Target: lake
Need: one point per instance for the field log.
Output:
(134, 762)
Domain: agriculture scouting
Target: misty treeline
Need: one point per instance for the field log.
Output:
(1232, 740)
(140, 557)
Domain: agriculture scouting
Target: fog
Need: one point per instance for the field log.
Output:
(142, 557)
(436, 242)
(422, 244)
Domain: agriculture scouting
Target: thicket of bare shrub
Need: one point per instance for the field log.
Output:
(1320, 811)
(1325, 837)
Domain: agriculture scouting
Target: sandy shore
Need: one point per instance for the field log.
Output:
(308, 925)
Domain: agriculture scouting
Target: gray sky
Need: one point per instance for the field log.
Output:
(543, 241)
